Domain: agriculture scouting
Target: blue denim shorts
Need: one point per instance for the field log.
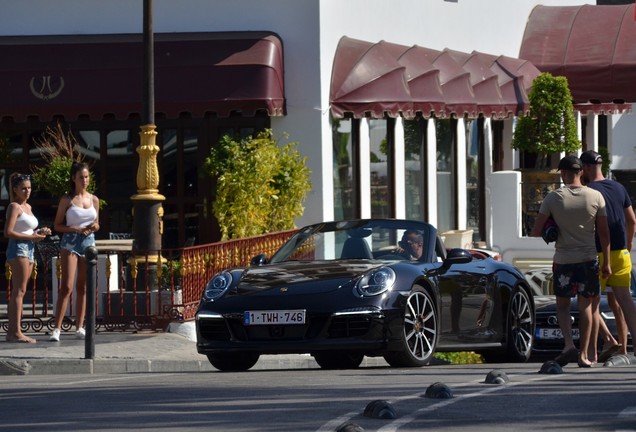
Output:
(20, 248)
(77, 243)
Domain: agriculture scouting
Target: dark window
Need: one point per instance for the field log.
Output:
(415, 167)
(110, 147)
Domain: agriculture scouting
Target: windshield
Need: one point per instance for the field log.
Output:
(361, 239)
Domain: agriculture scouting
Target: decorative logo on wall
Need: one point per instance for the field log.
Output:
(46, 92)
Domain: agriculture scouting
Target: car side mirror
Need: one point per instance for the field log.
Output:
(258, 260)
(454, 256)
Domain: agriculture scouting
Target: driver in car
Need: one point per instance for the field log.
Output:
(411, 245)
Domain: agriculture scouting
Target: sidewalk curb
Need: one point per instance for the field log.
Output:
(122, 366)
(173, 351)
(11, 367)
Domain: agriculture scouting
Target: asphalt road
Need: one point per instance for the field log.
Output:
(596, 399)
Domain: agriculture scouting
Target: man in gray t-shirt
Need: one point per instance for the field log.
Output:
(579, 212)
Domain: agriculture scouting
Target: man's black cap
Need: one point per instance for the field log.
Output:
(570, 163)
(590, 157)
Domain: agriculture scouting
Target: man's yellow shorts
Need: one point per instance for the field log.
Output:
(621, 264)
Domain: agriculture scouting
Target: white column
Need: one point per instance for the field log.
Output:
(431, 171)
(460, 175)
(400, 169)
(488, 163)
(591, 132)
(365, 169)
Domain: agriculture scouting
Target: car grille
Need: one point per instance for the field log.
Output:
(214, 329)
(549, 320)
(233, 328)
(349, 326)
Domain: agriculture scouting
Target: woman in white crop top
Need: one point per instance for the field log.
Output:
(77, 219)
(20, 229)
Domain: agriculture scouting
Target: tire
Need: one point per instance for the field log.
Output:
(233, 362)
(519, 331)
(420, 331)
(520, 327)
(338, 360)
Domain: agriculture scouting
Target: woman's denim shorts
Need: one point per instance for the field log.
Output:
(20, 248)
(77, 243)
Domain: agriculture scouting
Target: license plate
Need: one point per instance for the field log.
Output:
(554, 333)
(274, 317)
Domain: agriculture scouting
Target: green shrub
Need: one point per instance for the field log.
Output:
(463, 357)
(551, 126)
(59, 151)
(260, 186)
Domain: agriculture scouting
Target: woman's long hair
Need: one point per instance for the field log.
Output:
(15, 179)
(75, 168)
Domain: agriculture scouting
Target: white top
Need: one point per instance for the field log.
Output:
(25, 223)
(80, 216)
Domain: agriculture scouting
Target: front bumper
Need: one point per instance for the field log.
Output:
(366, 329)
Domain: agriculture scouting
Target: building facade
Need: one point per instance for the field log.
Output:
(446, 160)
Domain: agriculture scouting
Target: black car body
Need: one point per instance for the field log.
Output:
(342, 290)
(548, 336)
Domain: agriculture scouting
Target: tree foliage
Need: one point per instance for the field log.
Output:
(59, 149)
(551, 126)
(260, 187)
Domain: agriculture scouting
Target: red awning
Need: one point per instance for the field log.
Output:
(367, 79)
(96, 75)
(592, 46)
(374, 79)
(423, 81)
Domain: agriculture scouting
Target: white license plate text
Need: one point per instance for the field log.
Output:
(274, 317)
(554, 333)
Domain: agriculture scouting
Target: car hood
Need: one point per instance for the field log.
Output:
(302, 277)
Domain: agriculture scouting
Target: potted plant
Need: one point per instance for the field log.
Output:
(170, 275)
(59, 151)
(260, 185)
(550, 127)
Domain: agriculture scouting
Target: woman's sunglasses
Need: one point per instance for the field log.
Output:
(20, 178)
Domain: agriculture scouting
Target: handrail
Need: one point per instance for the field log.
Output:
(140, 295)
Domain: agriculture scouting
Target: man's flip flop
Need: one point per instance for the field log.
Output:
(608, 353)
(570, 355)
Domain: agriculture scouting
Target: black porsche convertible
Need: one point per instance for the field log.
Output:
(343, 290)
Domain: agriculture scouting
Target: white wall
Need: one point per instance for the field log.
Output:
(622, 145)
(505, 187)
(310, 31)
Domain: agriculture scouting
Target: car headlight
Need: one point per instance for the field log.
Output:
(217, 286)
(376, 282)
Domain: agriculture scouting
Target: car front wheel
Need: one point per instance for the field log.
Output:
(233, 362)
(420, 331)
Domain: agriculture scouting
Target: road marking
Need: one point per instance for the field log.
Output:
(393, 426)
(628, 412)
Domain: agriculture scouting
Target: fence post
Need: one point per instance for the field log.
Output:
(91, 285)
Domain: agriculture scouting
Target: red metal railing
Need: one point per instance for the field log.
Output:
(139, 293)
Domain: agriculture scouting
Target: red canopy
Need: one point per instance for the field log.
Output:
(594, 47)
(377, 79)
(96, 75)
